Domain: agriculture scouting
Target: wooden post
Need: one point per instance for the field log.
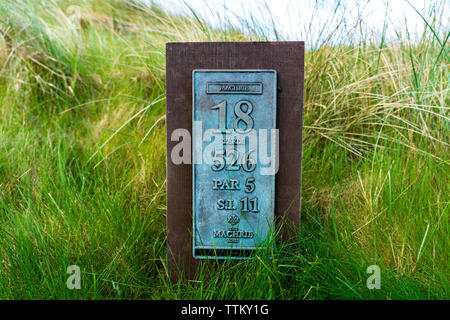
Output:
(287, 58)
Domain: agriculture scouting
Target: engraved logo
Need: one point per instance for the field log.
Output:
(234, 87)
(233, 219)
(233, 234)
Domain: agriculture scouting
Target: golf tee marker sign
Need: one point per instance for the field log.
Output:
(234, 145)
(234, 113)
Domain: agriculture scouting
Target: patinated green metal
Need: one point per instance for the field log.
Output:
(233, 201)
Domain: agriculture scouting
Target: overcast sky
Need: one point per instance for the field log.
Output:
(300, 19)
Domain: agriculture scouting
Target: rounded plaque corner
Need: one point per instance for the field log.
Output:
(199, 70)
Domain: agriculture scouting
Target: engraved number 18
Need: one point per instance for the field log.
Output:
(242, 116)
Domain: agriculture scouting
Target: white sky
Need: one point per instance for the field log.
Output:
(313, 20)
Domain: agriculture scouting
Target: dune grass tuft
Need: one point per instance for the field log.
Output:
(82, 160)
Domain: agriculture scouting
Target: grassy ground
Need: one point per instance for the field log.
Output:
(82, 161)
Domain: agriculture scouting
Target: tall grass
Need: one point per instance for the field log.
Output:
(82, 159)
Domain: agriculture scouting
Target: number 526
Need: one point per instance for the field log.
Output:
(236, 161)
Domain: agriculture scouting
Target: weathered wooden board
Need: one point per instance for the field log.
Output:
(287, 59)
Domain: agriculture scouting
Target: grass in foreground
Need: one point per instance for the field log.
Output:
(82, 161)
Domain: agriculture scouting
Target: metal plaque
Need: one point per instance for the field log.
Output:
(234, 125)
